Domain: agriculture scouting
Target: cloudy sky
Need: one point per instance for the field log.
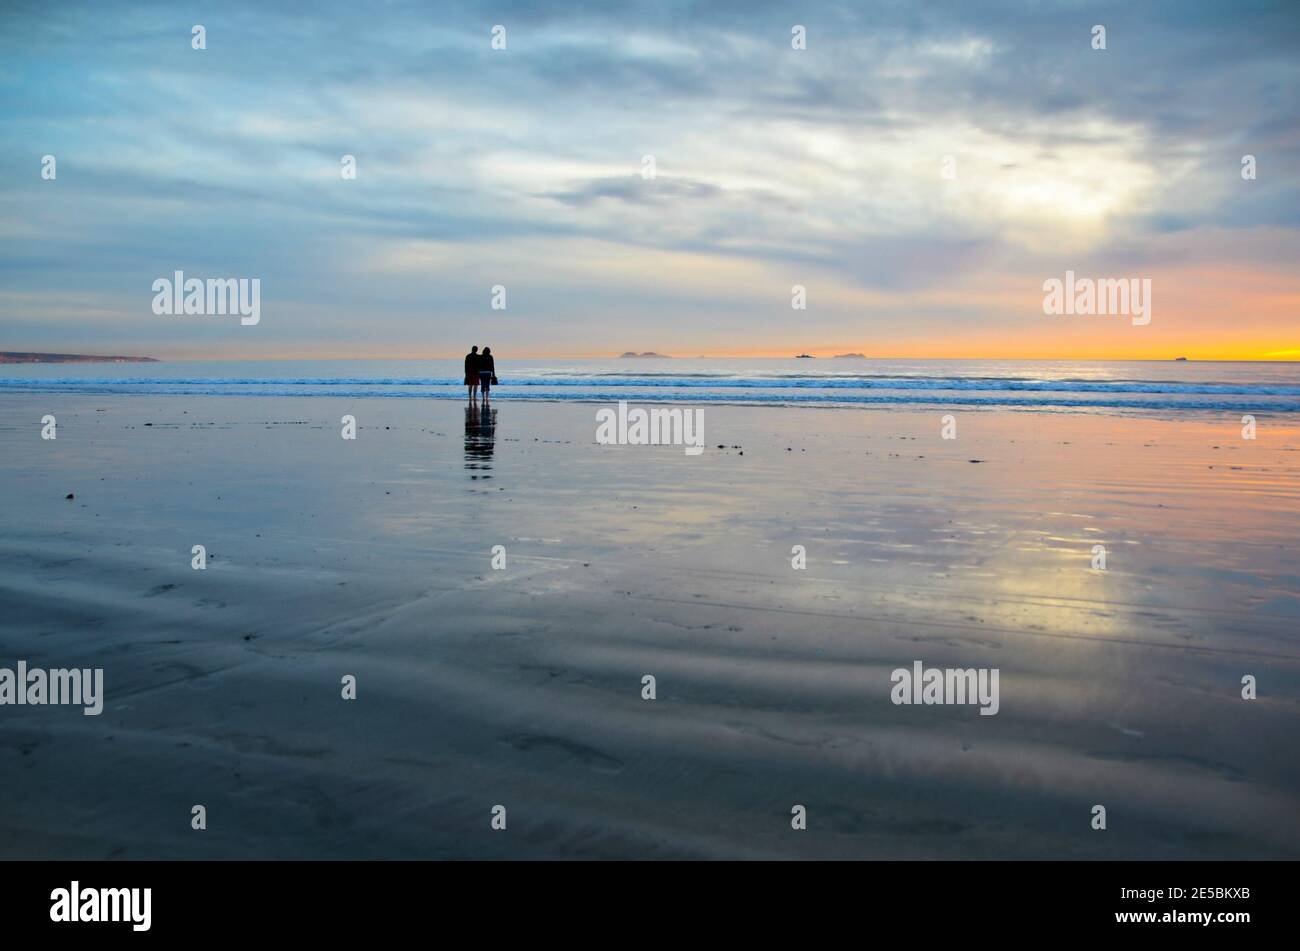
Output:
(774, 166)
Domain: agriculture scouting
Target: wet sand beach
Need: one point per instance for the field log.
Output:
(523, 686)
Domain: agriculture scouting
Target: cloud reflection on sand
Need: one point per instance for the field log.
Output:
(1118, 687)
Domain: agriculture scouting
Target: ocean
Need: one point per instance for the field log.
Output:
(1126, 387)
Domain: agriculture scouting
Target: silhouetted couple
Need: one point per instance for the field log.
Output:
(480, 371)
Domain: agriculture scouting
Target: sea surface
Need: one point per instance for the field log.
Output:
(1164, 387)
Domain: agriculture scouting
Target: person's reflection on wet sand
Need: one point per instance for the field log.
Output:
(480, 437)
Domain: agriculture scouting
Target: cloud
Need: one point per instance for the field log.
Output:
(637, 190)
(774, 165)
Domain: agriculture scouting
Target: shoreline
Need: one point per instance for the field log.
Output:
(1135, 411)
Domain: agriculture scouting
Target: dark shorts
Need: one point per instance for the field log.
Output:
(485, 379)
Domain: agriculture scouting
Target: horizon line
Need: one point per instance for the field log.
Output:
(108, 357)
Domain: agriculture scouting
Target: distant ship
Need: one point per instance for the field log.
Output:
(1176, 359)
(804, 356)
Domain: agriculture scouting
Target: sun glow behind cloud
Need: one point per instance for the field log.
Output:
(774, 167)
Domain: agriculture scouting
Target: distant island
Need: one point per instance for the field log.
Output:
(849, 356)
(648, 353)
(12, 356)
(804, 356)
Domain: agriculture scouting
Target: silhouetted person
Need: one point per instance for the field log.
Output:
(471, 370)
(487, 371)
